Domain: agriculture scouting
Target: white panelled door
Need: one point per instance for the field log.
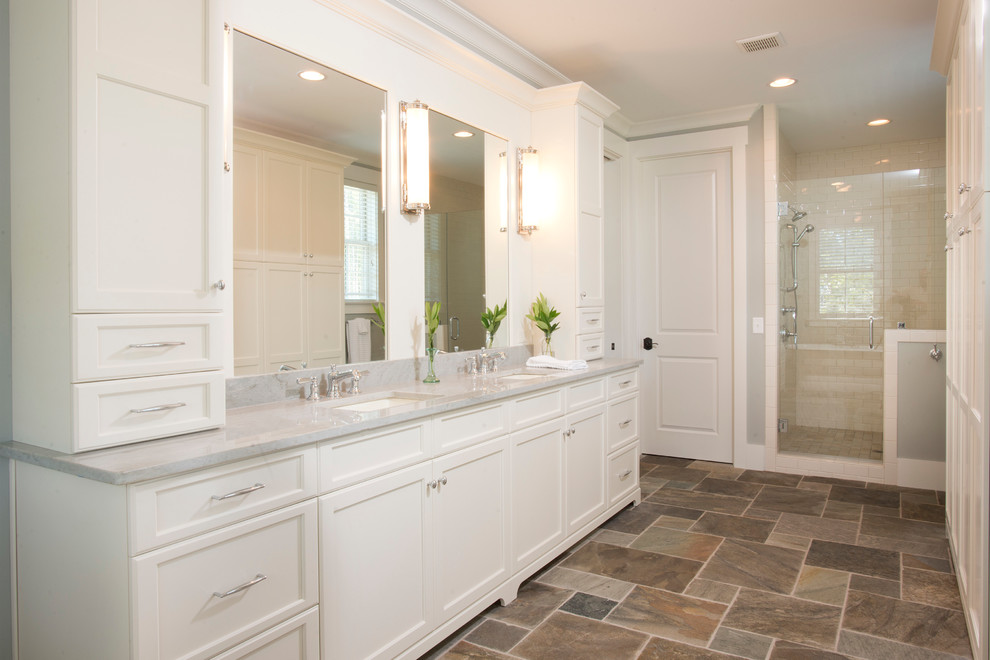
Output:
(686, 305)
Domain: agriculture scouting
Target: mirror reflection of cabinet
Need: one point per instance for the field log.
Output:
(288, 254)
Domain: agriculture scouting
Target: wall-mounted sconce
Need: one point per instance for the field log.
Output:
(414, 145)
(503, 191)
(528, 176)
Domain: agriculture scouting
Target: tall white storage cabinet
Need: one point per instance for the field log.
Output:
(967, 262)
(568, 132)
(116, 153)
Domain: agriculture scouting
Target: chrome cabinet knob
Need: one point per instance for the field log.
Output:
(220, 285)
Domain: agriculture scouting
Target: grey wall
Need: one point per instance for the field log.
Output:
(5, 382)
(920, 402)
(756, 373)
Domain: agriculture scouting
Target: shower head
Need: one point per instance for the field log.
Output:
(798, 215)
(804, 231)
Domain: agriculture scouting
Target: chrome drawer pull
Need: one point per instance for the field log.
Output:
(238, 493)
(624, 424)
(624, 383)
(625, 474)
(166, 406)
(593, 321)
(257, 578)
(158, 344)
(594, 348)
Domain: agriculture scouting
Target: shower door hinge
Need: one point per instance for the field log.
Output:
(782, 425)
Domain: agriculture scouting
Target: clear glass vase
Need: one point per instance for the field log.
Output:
(431, 376)
(545, 347)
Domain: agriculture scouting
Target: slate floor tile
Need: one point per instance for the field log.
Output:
(879, 586)
(467, 651)
(787, 541)
(679, 474)
(688, 545)
(633, 520)
(743, 644)
(791, 651)
(836, 510)
(736, 527)
(934, 628)
(671, 522)
(496, 635)
(848, 483)
(855, 559)
(754, 565)
(631, 565)
(936, 549)
(822, 585)
(672, 616)
(689, 499)
(667, 460)
(901, 529)
(570, 637)
(791, 500)
(722, 470)
(613, 537)
(773, 478)
(534, 603)
(927, 563)
(785, 618)
(715, 484)
(590, 583)
(938, 589)
(814, 527)
(665, 649)
(875, 648)
(873, 497)
(933, 513)
(708, 590)
(593, 607)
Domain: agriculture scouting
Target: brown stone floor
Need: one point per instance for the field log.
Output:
(832, 442)
(719, 562)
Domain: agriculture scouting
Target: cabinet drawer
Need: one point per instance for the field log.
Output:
(354, 459)
(623, 473)
(123, 411)
(619, 384)
(585, 394)
(591, 347)
(536, 408)
(465, 428)
(623, 421)
(127, 345)
(177, 608)
(590, 320)
(171, 509)
(296, 639)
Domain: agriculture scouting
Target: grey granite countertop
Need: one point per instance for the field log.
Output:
(262, 429)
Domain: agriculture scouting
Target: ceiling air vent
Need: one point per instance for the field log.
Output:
(761, 43)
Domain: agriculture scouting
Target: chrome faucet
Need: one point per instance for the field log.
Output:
(488, 362)
(314, 387)
(289, 367)
(333, 380)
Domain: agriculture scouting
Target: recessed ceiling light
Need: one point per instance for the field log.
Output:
(878, 122)
(783, 82)
(311, 75)
(463, 134)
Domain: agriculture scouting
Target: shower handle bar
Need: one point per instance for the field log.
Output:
(872, 319)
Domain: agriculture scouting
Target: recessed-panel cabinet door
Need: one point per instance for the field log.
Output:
(377, 565)
(537, 491)
(325, 214)
(285, 208)
(325, 316)
(584, 466)
(471, 519)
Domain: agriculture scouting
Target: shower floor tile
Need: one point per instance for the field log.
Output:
(832, 442)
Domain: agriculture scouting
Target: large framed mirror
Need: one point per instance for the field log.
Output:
(466, 245)
(308, 214)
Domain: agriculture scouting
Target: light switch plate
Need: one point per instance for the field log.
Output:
(757, 325)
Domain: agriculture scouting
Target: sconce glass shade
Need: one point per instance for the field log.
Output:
(415, 146)
(528, 176)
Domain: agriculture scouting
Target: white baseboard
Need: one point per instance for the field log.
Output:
(921, 474)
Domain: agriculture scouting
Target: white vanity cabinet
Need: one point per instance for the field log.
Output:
(378, 543)
(116, 166)
(568, 129)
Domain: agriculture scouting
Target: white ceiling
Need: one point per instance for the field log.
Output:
(662, 61)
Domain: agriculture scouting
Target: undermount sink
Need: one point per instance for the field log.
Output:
(383, 401)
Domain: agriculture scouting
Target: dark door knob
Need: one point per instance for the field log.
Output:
(648, 343)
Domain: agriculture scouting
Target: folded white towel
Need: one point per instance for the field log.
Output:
(548, 362)
(358, 335)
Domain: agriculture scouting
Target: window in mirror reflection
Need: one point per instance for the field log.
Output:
(308, 226)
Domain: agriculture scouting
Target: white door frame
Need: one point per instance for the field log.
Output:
(733, 140)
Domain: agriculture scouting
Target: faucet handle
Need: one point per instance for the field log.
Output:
(356, 380)
(314, 387)
(333, 369)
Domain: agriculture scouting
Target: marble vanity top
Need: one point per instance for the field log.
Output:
(262, 429)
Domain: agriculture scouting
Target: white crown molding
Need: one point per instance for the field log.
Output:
(574, 93)
(468, 30)
(946, 23)
(722, 117)
(392, 22)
